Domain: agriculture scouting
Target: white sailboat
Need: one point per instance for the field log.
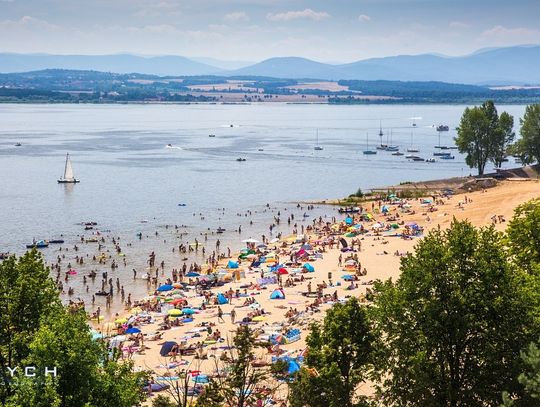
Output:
(68, 177)
(412, 149)
(317, 146)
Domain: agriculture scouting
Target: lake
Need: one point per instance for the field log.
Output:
(131, 182)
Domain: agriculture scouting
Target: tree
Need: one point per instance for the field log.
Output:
(238, 382)
(27, 295)
(524, 236)
(338, 359)
(528, 147)
(484, 136)
(452, 326)
(37, 331)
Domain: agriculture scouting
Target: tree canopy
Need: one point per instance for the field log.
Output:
(451, 328)
(484, 136)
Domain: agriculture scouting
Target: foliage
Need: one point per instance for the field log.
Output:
(484, 136)
(340, 351)
(524, 236)
(238, 382)
(27, 294)
(528, 147)
(451, 328)
(162, 401)
(37, 331)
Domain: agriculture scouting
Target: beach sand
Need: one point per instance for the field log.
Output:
(378, 255)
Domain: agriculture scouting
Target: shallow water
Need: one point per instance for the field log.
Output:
(129, 175)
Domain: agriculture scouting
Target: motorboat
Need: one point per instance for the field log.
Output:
(443, 127)
(240, 159)
(430, 160)
(56, 241)
(399, 153)
(37, 244)
(447, 157)
(211, 135)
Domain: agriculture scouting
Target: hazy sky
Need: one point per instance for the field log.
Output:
(325, 30)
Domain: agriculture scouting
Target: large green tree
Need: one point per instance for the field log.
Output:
(528, 146)
(452, 326)
(27, 295)
(37, 331)
(484, 136)
(340, 352)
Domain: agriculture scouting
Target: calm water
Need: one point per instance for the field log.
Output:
(128, 175)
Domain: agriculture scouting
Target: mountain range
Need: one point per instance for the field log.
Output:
(515, 65)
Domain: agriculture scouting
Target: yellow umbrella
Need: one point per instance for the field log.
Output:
(121, 320)
(175, 312)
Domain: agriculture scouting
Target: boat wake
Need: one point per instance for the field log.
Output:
(173, 147)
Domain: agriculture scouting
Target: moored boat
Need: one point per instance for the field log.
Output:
(37, 244)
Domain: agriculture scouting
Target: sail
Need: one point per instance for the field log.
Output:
(68, 171)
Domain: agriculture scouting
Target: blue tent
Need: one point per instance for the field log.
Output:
(232, 264)
(192, 274)
(348, 220)
(277, 294)
(293, 367)
(165, 287)
(221, 299)
(309, 267)
(202, 379)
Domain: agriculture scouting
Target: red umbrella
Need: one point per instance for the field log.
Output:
(282, 271)
(177, 301)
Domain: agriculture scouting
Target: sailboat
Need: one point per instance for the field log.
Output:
(381, 134)
(68, 177)
(317, 146)
(412, 149)
(367, 151)
(391, 147)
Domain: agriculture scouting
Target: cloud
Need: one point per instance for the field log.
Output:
(501, 32)
(294, 15)
(364, 18)
(29, 22)
(458, 24)
(236, 16)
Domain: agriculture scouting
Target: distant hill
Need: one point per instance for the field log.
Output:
(291, 67)
(118, 63)
(511, 65)
(491, 66)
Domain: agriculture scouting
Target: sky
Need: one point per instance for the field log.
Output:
(252, 30)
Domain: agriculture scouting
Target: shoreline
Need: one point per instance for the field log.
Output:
(378, 250)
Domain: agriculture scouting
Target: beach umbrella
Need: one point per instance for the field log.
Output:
(350, 263)
(307, 246)
(174, 312)
(192, 274)
(376, 225)
(250, 240)
(176, 301)
(349, 220)
(282, 271)
(259, 318)
(165, 287)
(166, 348)
(133, 330)
(186, 320)
(188, 311)
(121, 320)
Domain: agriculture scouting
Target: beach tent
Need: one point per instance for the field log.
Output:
(293, 367)
(343, 242)
(232, 264)
(221, 299)
(192, 274)
(309, 267)
(385, 209)
(165, 287)
(277, 294)
(348, 220)
(166, 348)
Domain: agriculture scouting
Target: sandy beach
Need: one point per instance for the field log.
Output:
(376, 238)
